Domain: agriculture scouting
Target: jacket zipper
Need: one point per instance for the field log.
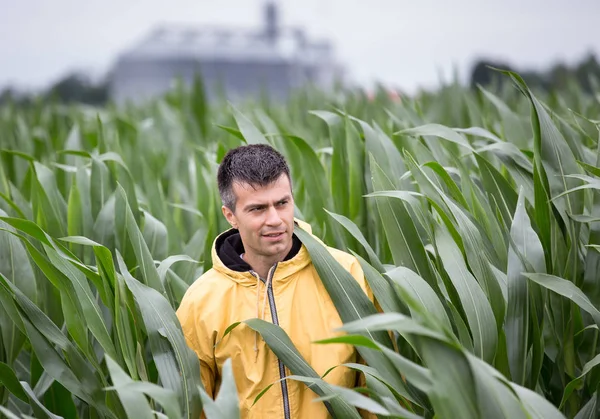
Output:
(284, 389)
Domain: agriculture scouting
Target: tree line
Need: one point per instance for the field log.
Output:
(78, 88)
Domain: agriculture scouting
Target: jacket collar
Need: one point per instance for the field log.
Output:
(238, 270)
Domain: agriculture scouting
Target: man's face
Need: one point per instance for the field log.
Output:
(264, 217)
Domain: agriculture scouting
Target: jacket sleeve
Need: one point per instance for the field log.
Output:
(200, 341)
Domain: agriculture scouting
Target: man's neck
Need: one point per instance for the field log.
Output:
(260, 265)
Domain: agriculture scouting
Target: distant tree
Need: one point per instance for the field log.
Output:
(587, 69)
(536, 80)
(557, 77)
(11, 96)
(76, 87)
(7, 95)
(483, 73)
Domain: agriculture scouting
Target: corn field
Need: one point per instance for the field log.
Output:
(475, 215)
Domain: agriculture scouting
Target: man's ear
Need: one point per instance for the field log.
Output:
(229, 216)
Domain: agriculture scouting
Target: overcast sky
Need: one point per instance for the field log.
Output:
(399, 42)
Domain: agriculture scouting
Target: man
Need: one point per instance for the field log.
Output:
(262, 270)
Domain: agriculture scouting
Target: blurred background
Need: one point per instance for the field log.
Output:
(100, 51)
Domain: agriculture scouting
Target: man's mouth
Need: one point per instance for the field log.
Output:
(273, 235)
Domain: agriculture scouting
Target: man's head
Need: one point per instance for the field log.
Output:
(255, 165)
(255, 187)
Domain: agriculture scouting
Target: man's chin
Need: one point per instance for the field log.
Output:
(276, 249)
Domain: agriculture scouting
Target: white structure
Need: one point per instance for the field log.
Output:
(237, 63)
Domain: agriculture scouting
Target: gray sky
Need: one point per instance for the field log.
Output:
(399, 42)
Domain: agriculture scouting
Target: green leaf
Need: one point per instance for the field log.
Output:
(552, 149)
(475, 247)
(339, 171)
(496, 399)
(81, 380)
(357, 340)
(49, 206)
(404, 241)
(584, 218)
(542, 210)
(11, 382)
(13, 205)
(89, 306)
(16, 267)
(420, 297)
(382, 289)
(53, 363)
(156, 237)
(226, 405)
(590, 410)
(455, 192)
(38, 407)
(20, 154)
(319, 198)
(437, 130)
(69, 300)
(537, 407)
(526, 254)
(515, 126)
(480, 316)
(355, 161)
(166, 264)
(350, 301)
(416, 374)
(390, 321)
(566, 289)
(99, 185)
(8, 413)
(61, 402)
(479, 132)
(450, 370)
(579, 380)
(380, 148)
(352, 397)
(249, 131)
(329, 117)
(358, 235)
(592, 183)
(177, 364)
(510, 151)
(131, 394)
(497, 186)
(142, 252)
(75, 217)
(236, 133)
(284, 349)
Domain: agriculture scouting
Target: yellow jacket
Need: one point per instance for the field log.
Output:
(297, 301)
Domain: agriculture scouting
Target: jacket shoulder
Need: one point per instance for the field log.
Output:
(209, 282)
(352, 265)
(345, 259)
(210, 287)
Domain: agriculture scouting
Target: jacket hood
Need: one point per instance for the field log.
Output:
(228, 247)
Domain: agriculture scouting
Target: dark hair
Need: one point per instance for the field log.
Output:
(254, 164)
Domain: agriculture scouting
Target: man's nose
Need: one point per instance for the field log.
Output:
(273, 217)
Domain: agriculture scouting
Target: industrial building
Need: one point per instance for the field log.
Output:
(233, 62)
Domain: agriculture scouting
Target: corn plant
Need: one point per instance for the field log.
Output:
(474, 215)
